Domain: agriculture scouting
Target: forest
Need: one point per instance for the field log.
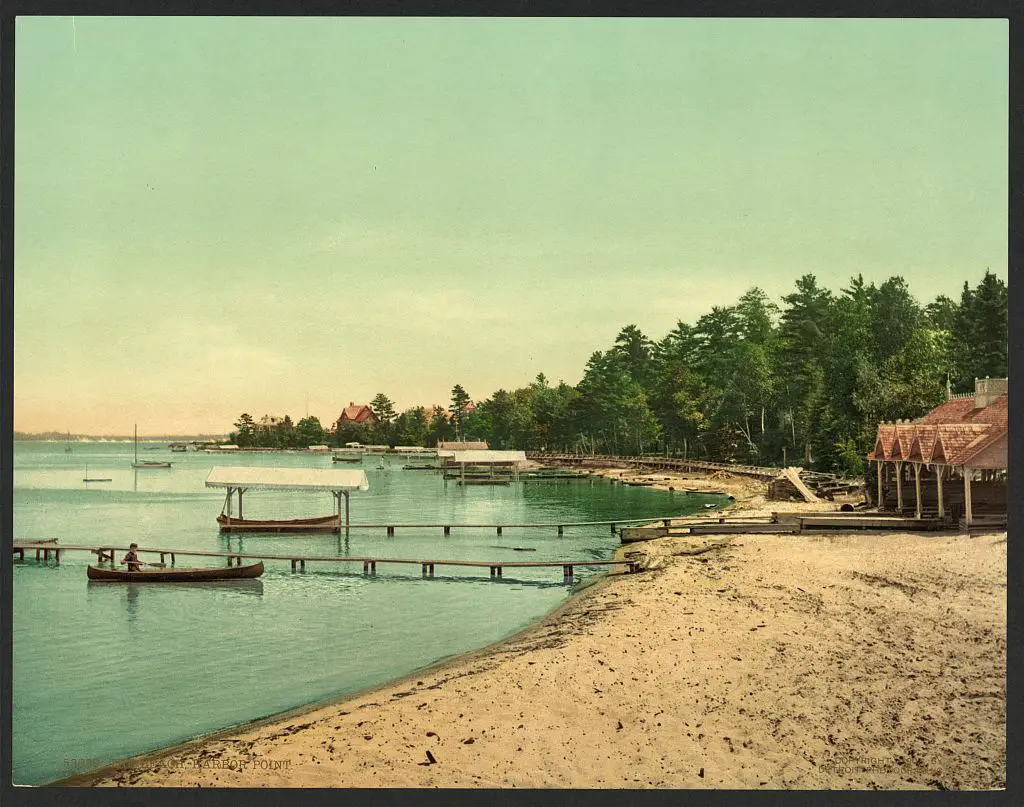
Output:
(804, 381)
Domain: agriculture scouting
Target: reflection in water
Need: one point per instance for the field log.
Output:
(132, 601)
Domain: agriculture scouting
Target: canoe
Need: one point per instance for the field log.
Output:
(182, 575)
(317, 524)
(149, 464)
(346, 459)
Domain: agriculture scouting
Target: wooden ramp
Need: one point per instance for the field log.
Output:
(793, 475)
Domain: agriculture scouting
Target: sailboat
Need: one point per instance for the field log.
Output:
(68, 449)
(145, 463)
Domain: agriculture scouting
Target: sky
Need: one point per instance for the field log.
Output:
(282, 215)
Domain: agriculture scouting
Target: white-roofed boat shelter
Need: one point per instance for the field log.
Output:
(482, 460)
(239, 479)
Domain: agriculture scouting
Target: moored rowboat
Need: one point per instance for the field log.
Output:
(175, 575)
(316, 524)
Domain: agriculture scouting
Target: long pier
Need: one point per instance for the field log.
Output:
(560, 526)
(107, 554)
(655, 463)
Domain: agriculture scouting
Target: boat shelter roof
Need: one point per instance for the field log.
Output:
(258, 478)
(485, 457)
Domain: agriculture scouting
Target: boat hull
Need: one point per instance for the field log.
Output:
(318, 524)
(209, 574)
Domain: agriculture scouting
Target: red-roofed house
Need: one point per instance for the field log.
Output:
(357, 413)
(963, 439)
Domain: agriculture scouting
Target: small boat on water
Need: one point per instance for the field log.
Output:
(315, 524)
(346, 459)
(182, 575)
(146, 463)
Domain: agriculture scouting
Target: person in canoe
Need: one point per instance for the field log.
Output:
(132, 558)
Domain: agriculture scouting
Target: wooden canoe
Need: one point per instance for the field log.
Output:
(317, 524)
(346, 459)
(175, 575)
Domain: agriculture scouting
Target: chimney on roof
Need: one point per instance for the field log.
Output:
(351, 403)
(986, 390)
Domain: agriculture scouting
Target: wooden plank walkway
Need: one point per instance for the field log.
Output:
(107, 554)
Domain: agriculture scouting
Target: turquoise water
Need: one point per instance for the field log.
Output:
(105, 671)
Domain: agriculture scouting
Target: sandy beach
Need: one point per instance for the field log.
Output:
(753, 661)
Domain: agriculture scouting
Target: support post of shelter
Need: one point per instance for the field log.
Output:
(967, 496)
(880, 501)
(917, 490)
(938, 483)
(899, 487)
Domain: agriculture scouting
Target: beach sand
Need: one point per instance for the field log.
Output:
(753, 661)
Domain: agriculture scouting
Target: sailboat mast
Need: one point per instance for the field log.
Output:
(136, 444)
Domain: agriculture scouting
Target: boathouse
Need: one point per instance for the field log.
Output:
(951, 463)
(460, 445)
(239, 479)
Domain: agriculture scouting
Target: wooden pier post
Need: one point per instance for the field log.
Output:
(373, 567)
(172, 559)
(161, 557)
(447, 531)
(302, 564)
(391, 532)
(499, 530)
(56, 557)
(613, 528)
(366, 566)
(293, 564)
(559, 529)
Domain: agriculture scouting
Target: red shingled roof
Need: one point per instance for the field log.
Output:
(956, 437)
(358, 413)
(956, 410)
(883, 441)
(923, 442)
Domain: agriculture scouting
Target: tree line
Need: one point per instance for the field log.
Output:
(805, 382)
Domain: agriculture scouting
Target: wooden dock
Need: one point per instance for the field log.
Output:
(784, 524)
(298, 562)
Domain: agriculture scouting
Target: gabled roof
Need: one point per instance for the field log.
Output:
(901, 443)
(978, 445)
(357, 413)
(926, 436)
(922, 436)
(883, 441)
(955, 437)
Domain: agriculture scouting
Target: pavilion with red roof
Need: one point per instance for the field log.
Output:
(962, 441)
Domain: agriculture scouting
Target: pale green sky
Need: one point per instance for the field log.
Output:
(218, 215)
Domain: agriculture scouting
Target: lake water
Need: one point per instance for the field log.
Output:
(105, 671)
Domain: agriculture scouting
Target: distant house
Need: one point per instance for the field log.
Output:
(961, 442)
(270, 421)
(357, 413)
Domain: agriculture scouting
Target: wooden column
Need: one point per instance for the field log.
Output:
(967, 496)
(899, 486)
(230, 491)
(938, 482)
(240, 503)
(348, 519)
(917, 490)
(880, 501)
